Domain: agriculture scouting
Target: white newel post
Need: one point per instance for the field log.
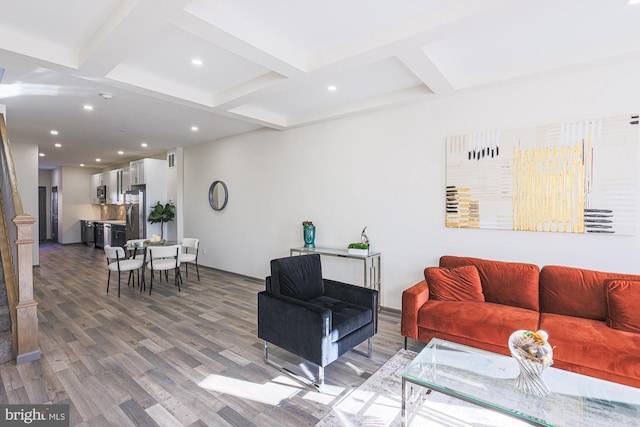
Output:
(27, 307)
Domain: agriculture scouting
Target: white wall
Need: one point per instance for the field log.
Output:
(73, 201)
(175, 193)
(386, 170)
(25, 159)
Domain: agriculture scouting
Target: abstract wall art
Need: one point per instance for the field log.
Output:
(579, 177)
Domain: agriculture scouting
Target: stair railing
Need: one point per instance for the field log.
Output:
(22, 306)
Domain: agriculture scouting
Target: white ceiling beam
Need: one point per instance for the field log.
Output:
(240, 94)
(403, 96)
(42, 50)
(130, 25)
(416, 31)
(225, 40)
(420, 65)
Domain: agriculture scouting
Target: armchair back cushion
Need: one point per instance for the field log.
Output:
(298, 277)
(508, 283)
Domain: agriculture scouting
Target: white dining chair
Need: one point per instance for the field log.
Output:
(164, 258)
(118, 261)
(190, 254)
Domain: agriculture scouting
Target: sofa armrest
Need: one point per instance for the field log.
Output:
(412, 299)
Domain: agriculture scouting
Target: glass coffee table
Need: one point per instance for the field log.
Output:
(487, 379)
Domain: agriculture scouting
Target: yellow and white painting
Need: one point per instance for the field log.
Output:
(579, 177)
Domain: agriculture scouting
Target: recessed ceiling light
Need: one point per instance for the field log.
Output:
(41, 154)
(144, 145)
(121, 152)
(196, 61)
(633, 2)
(81, 165)
(194, 128)
(98, 160)
(331, 88)
(58, 145)
(88, 107)
(53, 132)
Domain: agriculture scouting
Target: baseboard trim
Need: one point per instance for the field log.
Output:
(28, 357)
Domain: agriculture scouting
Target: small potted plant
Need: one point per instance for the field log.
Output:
(361, 249)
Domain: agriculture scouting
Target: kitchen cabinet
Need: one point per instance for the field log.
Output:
(117, 182)
(124, 182)
(136, 172)
(112, 186)
(99, 229)
(144, 171)
(118, 235)
(97, 179)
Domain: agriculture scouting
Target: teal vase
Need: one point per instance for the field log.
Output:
(309, 236)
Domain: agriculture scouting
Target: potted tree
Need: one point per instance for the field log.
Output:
(162, 213)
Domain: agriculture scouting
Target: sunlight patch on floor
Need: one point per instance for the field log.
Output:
(327, 396)
(357, 370)
(271, 393)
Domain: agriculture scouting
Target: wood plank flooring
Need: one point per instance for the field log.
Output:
(189, 358)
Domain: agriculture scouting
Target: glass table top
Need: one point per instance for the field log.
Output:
(334, 252)
(487, 379)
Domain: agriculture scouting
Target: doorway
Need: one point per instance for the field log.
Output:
(54, 214)
(42, 213)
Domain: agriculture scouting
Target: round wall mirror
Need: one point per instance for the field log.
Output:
(218, 195)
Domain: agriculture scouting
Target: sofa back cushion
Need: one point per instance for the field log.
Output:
(623, 297)
(298, 277)
(508, 283)
(575, 291)
(454, 284)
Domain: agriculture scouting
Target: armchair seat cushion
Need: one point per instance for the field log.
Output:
(345, 318)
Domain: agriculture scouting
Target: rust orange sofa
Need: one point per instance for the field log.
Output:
(592, 317)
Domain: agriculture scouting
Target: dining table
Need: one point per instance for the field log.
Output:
(133, 247)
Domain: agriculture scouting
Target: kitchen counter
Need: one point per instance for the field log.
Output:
(107, 221)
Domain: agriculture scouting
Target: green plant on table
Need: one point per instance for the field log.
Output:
(162, 213)
(358, 246)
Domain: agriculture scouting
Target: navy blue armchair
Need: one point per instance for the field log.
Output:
(315, 318)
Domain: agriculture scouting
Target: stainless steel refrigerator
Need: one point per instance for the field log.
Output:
(136, 221)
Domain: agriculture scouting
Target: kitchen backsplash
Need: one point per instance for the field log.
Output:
(117, 212)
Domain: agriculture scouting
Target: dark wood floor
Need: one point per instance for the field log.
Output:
(172, 358)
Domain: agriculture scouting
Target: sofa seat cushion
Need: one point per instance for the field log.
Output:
(623, 297)
(345, 318)
(592, 344)
(454, 284)
(478, 321)
(508, 283)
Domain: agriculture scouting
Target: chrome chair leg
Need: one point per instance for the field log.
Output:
(319, 386)
(369, 351)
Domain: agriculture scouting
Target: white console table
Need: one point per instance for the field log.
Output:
(371, 263)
